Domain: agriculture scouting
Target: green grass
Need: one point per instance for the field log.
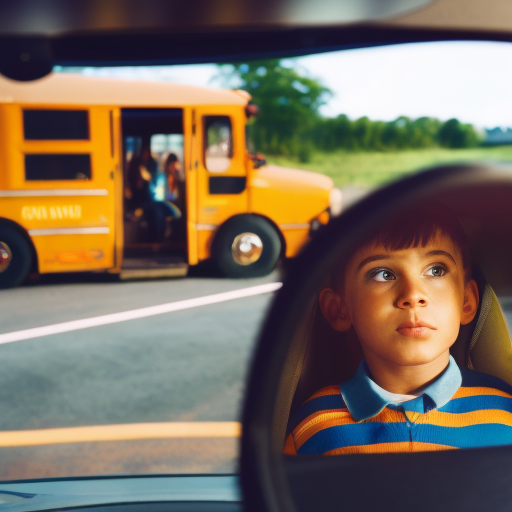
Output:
(369, 169)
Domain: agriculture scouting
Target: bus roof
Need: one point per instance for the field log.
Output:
(68, 89)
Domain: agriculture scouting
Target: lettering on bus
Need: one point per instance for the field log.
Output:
(73, 211)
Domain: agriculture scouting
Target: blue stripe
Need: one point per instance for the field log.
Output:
(355, 435)
(477, 403)
(361, 434)
(472, 379)
(472, 436)
(320, 403)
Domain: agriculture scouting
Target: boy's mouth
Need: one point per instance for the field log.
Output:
(415, 329)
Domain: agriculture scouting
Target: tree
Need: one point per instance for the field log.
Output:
(289, 102)
(454, 134)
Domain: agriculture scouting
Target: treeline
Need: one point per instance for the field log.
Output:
(363, 134)
(290, 122)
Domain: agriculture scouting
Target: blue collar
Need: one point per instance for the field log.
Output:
(365, 399)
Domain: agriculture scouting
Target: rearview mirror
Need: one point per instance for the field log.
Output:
(471, 480)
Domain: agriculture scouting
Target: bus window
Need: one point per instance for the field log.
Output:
(218, 143)
(56, 124)
(133, 146)
(162, 145)
(57, 167)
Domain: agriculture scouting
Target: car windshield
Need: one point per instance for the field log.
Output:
(126, 342)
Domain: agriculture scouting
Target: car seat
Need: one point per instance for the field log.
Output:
(319, 356)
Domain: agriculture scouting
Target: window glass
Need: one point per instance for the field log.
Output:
(180, 374)
(132, 146)
(56, 124)
(162, 145)
(218, 143)
(58, 167)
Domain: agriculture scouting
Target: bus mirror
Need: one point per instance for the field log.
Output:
(258, 161)
(283, 367)
(251, 110)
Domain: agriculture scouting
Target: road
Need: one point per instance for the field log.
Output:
(157, 394)
(182, 366)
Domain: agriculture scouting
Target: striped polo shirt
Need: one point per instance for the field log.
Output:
(459, 409)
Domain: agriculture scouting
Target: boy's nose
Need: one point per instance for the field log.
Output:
(411, 296)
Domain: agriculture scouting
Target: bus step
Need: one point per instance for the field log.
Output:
(154, 271)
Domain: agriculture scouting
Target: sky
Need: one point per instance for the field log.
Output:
(471, 81)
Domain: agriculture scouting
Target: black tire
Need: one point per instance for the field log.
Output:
(21, 257)
(222, 247)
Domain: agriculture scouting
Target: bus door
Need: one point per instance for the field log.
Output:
(221, 172)
(61, 184)
(154, 188)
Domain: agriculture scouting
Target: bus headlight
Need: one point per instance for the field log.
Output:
(335, 202)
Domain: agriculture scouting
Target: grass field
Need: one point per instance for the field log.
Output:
(370, 169)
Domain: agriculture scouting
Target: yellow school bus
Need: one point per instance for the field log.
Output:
(143, 179)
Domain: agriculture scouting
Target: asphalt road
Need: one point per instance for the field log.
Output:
(182, 366)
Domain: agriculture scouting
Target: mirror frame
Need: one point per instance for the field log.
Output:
(464, 479)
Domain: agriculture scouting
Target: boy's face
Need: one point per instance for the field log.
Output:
(407, 306)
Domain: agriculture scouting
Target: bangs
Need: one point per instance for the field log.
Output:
(416, 227)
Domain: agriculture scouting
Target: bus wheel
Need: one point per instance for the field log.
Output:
(246, 246)
(15, 257)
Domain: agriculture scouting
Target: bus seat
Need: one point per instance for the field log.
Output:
(319, 356)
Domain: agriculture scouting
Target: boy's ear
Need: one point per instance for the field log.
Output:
(334, 310)
(471, 300)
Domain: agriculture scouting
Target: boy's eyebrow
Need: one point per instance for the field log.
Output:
(375, 257)
(439, 252)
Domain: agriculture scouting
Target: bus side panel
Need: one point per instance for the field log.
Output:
(204, 243)
(190, 164)
(116, 154)
(70, 221)
(74, 253)
(214, 204)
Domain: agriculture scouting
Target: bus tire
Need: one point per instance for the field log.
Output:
(15, 270)
(246, 246)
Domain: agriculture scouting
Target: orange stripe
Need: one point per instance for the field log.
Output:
(289, 446)
(330, 390)
(318, 421)
(387, 416)
(390, 448)
(465, 392)
(337, 417)
(466, 419)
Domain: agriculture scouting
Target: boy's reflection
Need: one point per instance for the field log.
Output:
(405, 291)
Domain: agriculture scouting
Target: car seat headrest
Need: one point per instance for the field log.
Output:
(490, 349)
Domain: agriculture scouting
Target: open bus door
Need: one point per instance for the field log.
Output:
(221, 171)
(154, 211)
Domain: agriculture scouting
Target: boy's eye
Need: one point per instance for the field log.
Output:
(436, 271)
(383, 275)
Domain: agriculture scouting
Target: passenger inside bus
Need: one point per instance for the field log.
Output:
(154, 188)
(175, 179)
(142, 169)
(143, 197)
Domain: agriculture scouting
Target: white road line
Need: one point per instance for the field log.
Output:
(134, 314)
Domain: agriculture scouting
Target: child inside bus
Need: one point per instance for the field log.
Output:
(174, 178)
(405, 291)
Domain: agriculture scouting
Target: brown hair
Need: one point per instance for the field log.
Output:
(415, 227)
(171, 159)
